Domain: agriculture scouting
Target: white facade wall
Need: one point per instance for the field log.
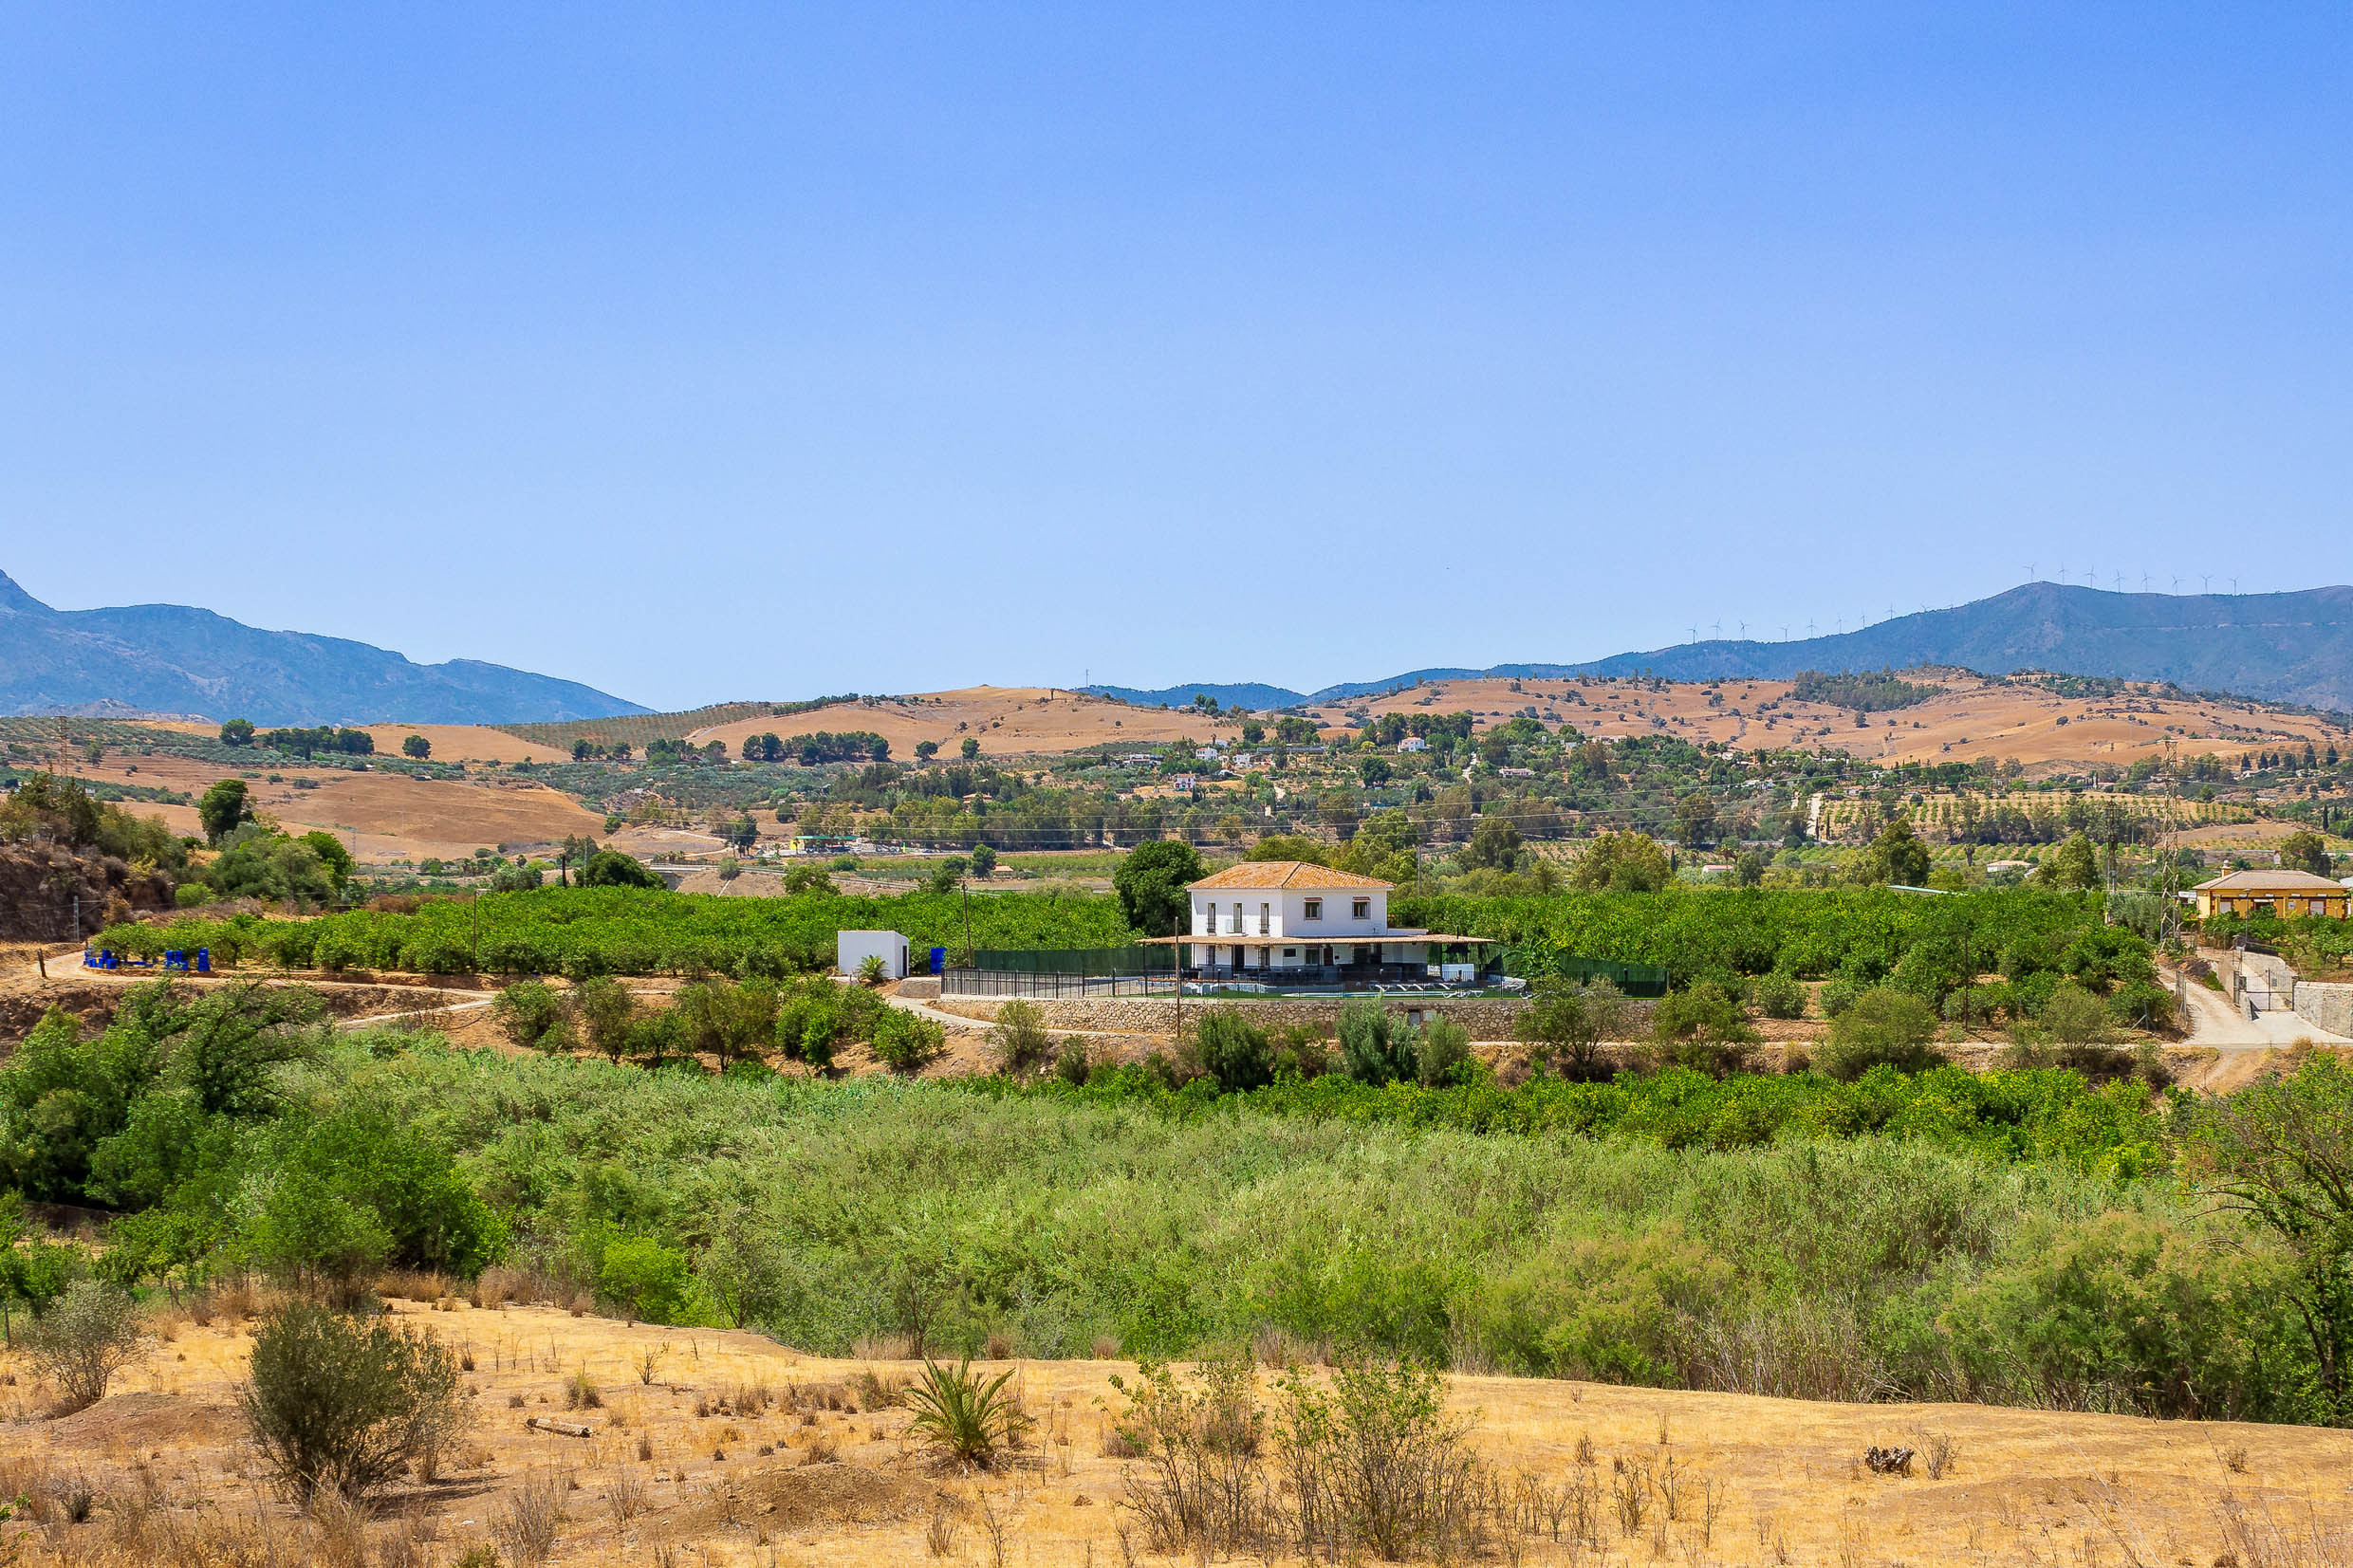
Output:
(1275, 928)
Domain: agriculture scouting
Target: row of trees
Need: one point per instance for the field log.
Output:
(849, 746)
(306, 742)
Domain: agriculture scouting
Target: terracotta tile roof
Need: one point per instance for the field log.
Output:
(2283, 881)
(1287, 873)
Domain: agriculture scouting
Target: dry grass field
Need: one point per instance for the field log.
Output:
(1007, 720)
(724, 1448)
(1973, 718)
(382, 815)
(466, 743)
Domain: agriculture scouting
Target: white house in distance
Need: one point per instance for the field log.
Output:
(1288, 914)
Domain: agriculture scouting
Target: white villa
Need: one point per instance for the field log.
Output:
(1289, 914)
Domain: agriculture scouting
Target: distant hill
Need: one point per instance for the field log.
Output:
(1257, 699)
(168, 659)
(2292, 647)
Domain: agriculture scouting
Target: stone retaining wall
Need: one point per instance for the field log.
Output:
(919, 991)
(2325, 1005)
(1487, 1018)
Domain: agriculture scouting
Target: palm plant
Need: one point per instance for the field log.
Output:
(965, 1417)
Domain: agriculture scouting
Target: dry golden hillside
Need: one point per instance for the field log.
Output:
(1972, 718)
(1007, 720)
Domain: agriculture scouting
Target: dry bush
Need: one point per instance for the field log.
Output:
(343, 1405)
(939, 1531)
(1374, 1461)
(992, 1523)
(1366, 1464)
(580, 1394)
(498, 1284)
(533, 1517)
(341, 1524)
(409, 1284)
(409, 1542)
(876, 1392)
(89, 1334)
(649, 1362)
(624, 1495)
(1203, 1482)
(883, 1347)
(1937, 1451)
(74, 1496)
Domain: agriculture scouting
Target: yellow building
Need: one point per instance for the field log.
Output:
(2285, 893)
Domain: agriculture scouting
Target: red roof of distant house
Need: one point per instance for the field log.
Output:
(1287, 873)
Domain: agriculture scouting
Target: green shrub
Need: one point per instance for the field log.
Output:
(1703, 1028)
(2075, 1017)
(1233, 1050)
(1442, 1053)
(1837, 994)
(814, 1016)
(648, 1280)
(605, 1012)
(189, 896)
(907, 1042)
(1374, 1045)
(1882, 1027)
(1567, 1024)
(1300, 1051)
(610, 868)
(1780, 995)
(320, 1240)
(1072, 1064)
(531, 1015)
(1019, 1039)
(345, 1405)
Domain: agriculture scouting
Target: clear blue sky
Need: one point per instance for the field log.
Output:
(703, 353)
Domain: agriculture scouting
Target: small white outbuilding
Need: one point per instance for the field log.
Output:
(853, 947)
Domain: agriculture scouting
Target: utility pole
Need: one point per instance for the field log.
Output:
(2169, 880)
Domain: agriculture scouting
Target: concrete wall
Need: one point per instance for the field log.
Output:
(852, 947)
(1487, 1018)
(2328, 1006)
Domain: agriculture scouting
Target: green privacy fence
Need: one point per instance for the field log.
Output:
(1633, 979)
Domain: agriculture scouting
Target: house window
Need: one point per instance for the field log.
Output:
(1266, 918)
(1362, 909)
(1315, 909)
(1208, 919)
(1237, 920)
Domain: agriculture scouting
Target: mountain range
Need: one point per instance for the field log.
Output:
(170, 659)
(2289, 647)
